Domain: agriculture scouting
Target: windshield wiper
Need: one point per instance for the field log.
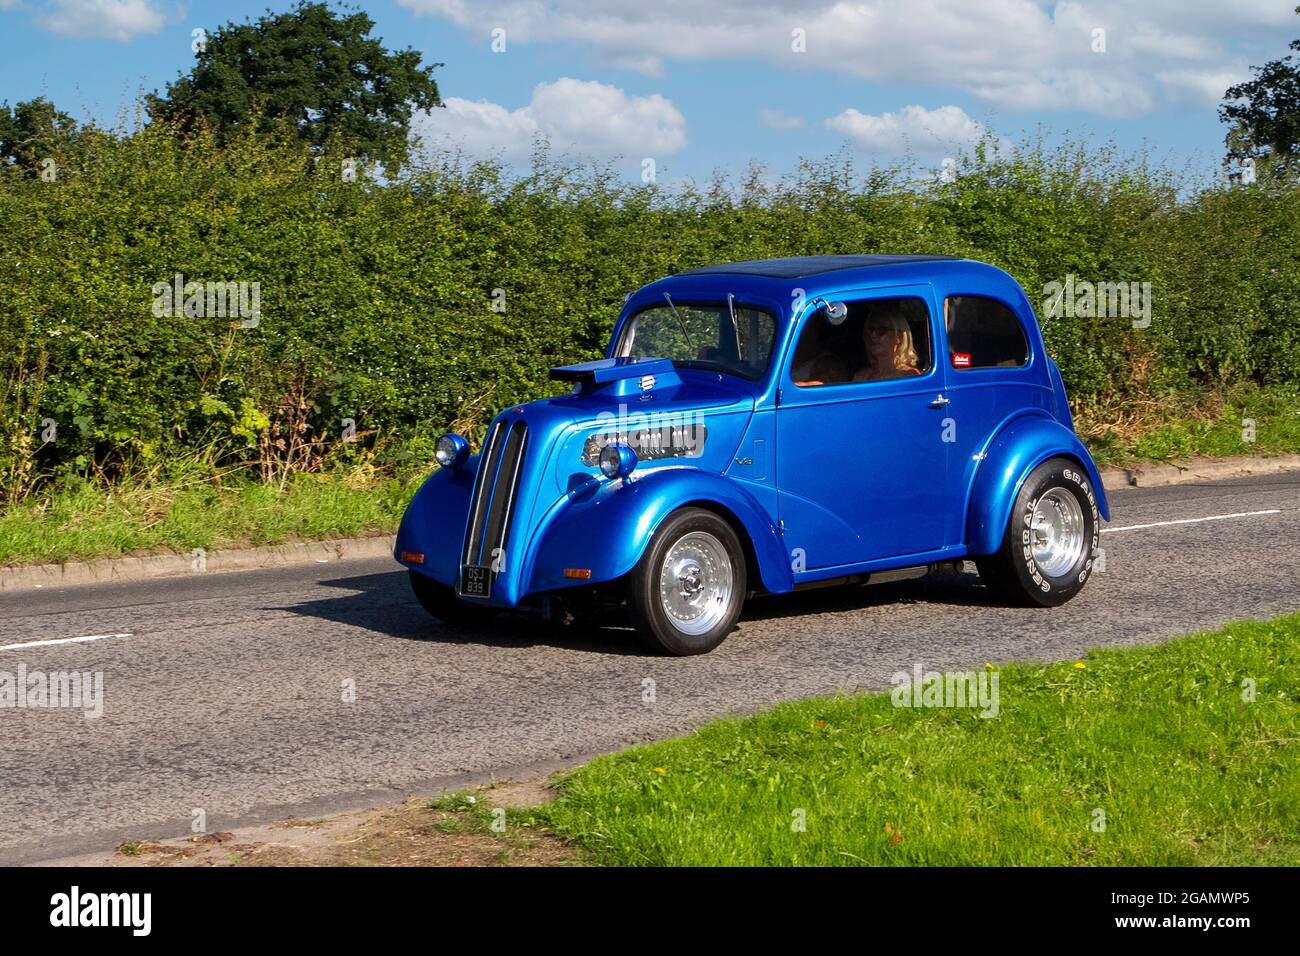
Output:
(681, 321)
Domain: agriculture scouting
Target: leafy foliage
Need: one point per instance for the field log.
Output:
(32, 131)
(1265, 113)
(315, 69)
(377, 296)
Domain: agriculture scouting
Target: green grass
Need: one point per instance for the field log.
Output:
(89, 521)
(1160, 739)
(1205, 426)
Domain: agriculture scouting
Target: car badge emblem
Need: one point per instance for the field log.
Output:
(647, 382)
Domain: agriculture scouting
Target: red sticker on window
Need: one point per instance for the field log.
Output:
(961, 360)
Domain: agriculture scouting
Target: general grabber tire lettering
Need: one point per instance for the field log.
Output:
(1050, 544)
(686, 593)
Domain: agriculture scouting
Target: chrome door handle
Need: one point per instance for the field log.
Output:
(940, 401)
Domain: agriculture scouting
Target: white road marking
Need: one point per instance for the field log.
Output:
(62, 640)
(1161, 524)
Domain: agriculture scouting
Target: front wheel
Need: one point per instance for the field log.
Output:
(1051, 539)
(686, 593)
(441, 601)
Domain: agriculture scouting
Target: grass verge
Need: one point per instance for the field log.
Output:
(1212, 424)
(86, 521)
(1185, 753)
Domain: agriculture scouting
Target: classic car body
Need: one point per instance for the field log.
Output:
(839, 481)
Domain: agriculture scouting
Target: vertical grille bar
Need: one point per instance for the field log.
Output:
(493, 498)
(483, 482)
(503, 495)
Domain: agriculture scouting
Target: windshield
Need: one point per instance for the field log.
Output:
(698, 335)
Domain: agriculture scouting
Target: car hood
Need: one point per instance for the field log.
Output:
(697, 419)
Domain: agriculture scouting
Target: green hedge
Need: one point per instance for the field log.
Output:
(376, 296)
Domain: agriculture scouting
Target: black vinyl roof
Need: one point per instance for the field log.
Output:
(801, 267)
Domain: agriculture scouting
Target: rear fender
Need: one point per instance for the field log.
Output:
(1021, 446)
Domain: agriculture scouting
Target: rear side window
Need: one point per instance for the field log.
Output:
(983, 333)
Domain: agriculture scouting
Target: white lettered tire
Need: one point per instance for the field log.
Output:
(1050, 546)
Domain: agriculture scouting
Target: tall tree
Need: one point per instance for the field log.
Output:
(32, 132)
(1265, 113)
(312, 67)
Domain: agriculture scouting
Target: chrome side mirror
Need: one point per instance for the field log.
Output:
(836, 312)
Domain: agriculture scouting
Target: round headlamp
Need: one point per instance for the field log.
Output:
(451, 450)
(617, 461)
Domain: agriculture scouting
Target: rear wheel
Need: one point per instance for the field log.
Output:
(441, 601)
(687, 591)
(1050, 544)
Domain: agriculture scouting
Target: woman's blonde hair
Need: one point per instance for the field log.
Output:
(905, 350)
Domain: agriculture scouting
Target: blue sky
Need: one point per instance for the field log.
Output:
(700, 86)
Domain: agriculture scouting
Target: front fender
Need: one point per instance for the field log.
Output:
(434, 522)
(1021, 446)
(607, 525)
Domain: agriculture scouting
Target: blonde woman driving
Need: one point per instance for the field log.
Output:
(890, 351)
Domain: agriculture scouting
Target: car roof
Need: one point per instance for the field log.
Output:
(778, 285)
(803, 267)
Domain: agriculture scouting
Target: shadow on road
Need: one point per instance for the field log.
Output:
(946, 588)
(383, 604)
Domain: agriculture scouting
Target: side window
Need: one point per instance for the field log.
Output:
(878, 339)
(983, 333)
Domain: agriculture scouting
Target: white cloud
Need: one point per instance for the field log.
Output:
(576, 116)
(1202, 87)
(775, 119)
(479, 128)
(1018, 54)
(913, 129)
(120, 20)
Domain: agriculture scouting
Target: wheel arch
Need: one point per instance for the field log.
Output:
(1020, 447)
(630, 515)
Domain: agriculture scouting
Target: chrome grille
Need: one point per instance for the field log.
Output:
(493, 498)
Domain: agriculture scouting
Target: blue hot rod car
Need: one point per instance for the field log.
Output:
(768, 426)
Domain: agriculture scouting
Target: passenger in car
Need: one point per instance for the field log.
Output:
(891, 352)
(814, 362)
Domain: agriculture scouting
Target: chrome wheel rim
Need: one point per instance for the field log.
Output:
(1056, 532)
(696, 583)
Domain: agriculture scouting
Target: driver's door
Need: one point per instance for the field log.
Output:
(861, 467)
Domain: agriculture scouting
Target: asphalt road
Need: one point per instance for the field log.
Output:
(228, 695)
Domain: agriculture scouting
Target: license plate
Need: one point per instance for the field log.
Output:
(475, 581)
